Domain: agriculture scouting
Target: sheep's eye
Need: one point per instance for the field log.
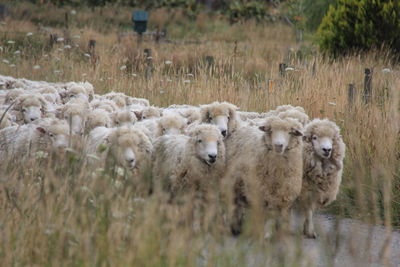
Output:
(71, 96)
(23, 110)
(199, 141)
(314, 138)
(143, 117)
(51, 134)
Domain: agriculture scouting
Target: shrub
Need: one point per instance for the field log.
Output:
(359, 25)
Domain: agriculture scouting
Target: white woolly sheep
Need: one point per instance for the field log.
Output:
(323, 155)
(181, 162)
(75, 114)
(97, 118)
(123, 118)
(74, 91)
(137, 101)
(30, 107)
(127, 146)
(145, 113)
(18, 142)
(106, 104)
(265, 167)
(13, 95)
(156, 127)
(221, 114)
(295, 114)
(284, 108)
(6, 119)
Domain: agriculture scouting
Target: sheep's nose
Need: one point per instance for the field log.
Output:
(213, 157)
(223, 133)
(131, 160)
(32, 119)
(327, 150)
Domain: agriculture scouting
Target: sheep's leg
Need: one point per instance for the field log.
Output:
(308, 228)
(239, 213)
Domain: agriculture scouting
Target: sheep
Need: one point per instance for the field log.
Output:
(106, 104)
(284, 108)
(190, 164)
(5, 119)
(74, 91)
(123, 117)
(75, 114)
(12, 95)
(295, 114)
(323, 154)
(137, 101)
(127, 146)
(97, 118)
(147, 113)
(190, 113)
(265, 166)
(222, 114)
(18, 142)
(120, 99)
(156, 127)
(30, 107)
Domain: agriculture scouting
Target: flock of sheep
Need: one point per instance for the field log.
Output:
(275, 159)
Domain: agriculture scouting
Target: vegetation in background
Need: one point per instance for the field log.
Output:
(360, 25)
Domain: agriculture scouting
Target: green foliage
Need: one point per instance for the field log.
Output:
(314, 12)
(360, 25)
(244, 10)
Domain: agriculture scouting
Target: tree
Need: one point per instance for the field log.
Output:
(360, 25)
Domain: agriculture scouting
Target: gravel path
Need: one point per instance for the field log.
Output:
(344, 242)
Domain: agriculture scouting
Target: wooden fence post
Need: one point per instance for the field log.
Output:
(367, 94)
(350, 95)
(282, 69)
(149, 63)
(53, 39)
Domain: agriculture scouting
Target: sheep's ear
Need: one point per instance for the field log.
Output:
(138, 115)
(296, 132)
(41, 130)
(63, 94)
(265, 128)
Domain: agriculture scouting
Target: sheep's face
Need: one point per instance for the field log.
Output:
(208, 144)
(172, 125)
(31, 113)
(58, 139)
(129, 157)
(150, 113)
(281, 135)
(123, 118)
(76, 123)
(220, 114)
(130, 148)
(322, 145)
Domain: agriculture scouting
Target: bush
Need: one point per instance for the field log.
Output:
(360, 25)
(315, 11)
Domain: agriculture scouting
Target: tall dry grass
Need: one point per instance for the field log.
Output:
(58, 211)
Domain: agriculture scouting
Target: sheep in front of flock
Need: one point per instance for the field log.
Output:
(265, 167)
(221, 114)
(125, 146)
(323, 154)
(193, 163)
(29, 107)
(19, 142)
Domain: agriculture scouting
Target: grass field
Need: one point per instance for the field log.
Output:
(58, 212)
